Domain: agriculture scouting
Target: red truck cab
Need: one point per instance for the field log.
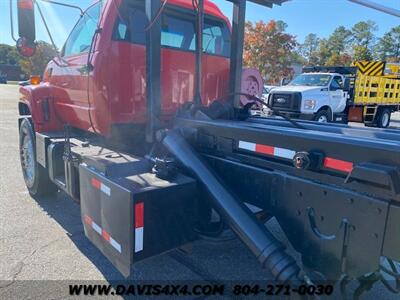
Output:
(111, 90)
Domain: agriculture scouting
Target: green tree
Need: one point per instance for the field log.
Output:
(339, 40)
(36, 64)
(337, 59)
(362, 53)
(268, 48)
(9, 55)
(388, 47)
(324, 52)
(363, 40)
(309, 49)
(333, 51)
(297, 58)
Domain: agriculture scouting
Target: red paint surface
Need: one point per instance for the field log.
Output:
(337, 164)
(139, 215)
(115, 91)
(96, 183)
(105, 235)
(264, 149)
(25, 4)
(88, 220)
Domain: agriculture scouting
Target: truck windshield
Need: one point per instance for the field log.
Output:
(311, 80)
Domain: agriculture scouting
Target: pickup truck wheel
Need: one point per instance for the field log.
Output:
(322, 116)
(36, 177)
(383, 119)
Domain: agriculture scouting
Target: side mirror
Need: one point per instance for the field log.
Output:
(284, 81)
(26, 27)
(25, 47)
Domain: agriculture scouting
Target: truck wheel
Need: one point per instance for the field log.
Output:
(36, 177)
(322, 116)
(383, 119)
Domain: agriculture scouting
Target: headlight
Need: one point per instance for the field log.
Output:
(309, 104)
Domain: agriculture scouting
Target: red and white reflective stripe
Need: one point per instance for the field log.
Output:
(266, 149)
(337, 164)
(106, 236)
(329, 162)
(139, 226)
(101, 186)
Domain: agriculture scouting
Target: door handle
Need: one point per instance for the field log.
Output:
(84, 70)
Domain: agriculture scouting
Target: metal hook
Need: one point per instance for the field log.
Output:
(314, 227)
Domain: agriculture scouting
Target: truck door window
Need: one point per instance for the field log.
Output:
(177, 31)
(337, 83)
(216, 38)
(81, 36)
(131, 28)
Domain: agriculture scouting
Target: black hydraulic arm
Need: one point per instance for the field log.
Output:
(269, 251)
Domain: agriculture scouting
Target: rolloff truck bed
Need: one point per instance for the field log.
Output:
(335, 191)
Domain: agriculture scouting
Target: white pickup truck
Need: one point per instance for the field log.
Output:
(313, 96)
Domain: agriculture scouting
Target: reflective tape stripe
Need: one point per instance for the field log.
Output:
(106, 236)
(96, 228)
(115, 244)
(139, 214)
(88, 220)
(268, 150)
(105, 189)
(337, 164)
(139, 226)
(264, 149)
(139, 239)
(331, 163)
(101, 186)
(284, 153)
(247, 146)
(96, 183)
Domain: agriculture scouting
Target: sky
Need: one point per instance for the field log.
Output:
(302, 16)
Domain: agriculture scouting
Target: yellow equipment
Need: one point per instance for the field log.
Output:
(392, 70)
(377, 83)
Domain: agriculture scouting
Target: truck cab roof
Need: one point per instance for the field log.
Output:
(323, 73)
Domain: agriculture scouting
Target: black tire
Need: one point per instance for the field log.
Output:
(383, 119)
(35, 176)
(323, 114)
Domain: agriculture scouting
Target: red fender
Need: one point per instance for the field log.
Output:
(40, 102)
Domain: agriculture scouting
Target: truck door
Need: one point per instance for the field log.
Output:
(337, 95)
(71, 77)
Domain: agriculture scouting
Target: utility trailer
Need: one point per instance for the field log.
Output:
(334, 189)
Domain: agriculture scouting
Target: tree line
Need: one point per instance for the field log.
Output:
(34, 65)
(270, 49)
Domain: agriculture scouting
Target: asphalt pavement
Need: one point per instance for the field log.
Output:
(43, 239)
